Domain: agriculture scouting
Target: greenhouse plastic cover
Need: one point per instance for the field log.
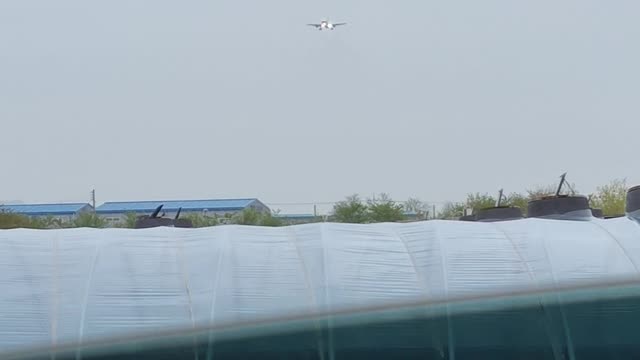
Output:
(72, 285)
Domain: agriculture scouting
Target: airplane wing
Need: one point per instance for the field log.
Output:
(316, 25)
(338, 24)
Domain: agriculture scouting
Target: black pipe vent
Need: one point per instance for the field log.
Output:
(153, 220)
(562, 207)
(499, 213)
(633, 202)
(597, 213)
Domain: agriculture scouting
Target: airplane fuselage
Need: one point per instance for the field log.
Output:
(325, 25)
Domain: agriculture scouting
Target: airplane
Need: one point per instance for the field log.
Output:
(326, 25)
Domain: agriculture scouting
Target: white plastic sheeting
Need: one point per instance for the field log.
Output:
(78, 284)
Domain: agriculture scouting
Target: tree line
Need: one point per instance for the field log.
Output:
(610, 198)
(9, 220)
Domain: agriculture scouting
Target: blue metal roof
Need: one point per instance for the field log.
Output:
(45, 209)
(174, 205)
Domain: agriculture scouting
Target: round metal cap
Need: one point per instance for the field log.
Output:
(501, 213)
(558, 205)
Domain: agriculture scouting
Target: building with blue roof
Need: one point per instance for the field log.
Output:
(64, 211)
(115, 212)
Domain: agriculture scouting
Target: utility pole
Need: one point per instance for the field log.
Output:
(93, 199)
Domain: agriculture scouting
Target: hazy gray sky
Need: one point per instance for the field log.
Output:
(202, 99)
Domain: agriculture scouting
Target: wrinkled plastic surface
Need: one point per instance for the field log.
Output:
(78, 284)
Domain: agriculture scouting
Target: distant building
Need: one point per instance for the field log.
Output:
(63, 212)
(414, 216)
(115, 212)
(292, 219)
